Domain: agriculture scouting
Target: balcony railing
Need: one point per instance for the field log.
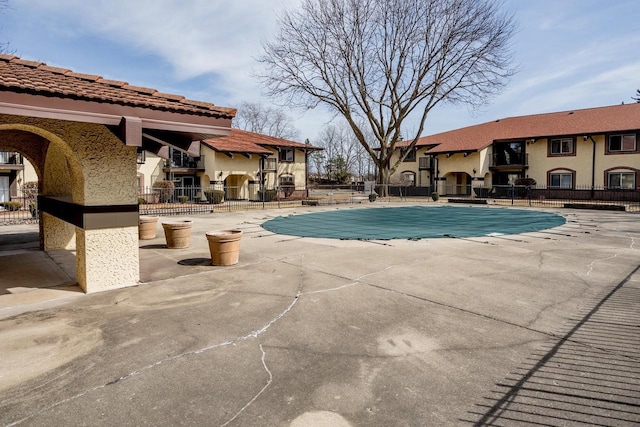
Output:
(426, 163)
(270, 164)
(185, 163)
(10, 158)
(509, 159)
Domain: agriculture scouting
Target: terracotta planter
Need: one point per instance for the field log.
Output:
(224, 246)
(177, 233)
(147, 227)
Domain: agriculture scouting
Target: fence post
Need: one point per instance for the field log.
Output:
(512, 191)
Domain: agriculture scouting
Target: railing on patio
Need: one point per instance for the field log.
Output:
(218, 198)
(560, 197)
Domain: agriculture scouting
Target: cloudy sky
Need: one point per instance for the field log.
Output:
(571, 54)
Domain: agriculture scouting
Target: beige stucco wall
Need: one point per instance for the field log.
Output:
(151, 170)
(295, 168)
(107, 259)
(580, 163)
(84, 164)
(219, 166)
(215, 162)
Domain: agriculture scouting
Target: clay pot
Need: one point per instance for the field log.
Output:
(177, 233)
(147, 227)
(224, 246)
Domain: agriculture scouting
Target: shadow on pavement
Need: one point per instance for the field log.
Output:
(591, 375)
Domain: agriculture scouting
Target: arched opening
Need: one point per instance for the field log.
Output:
(457, 183)
(236, 187)
(48, 247)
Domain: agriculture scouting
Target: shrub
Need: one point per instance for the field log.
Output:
(11, 206)
(435, 196)
(183, 199)
(30, 190)
(529, 182)
(163, 190)
(214, 196)
(268, 195)
(141, 201)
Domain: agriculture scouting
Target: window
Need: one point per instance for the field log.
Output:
(287, 180)
(625, 142)
(409, 178)
(625, 180)
(286, 154)
(561, 146)
(561, 180)
(287, 184)
(142, 156)
(411, 156)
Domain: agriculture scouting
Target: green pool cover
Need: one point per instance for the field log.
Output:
(413, 222)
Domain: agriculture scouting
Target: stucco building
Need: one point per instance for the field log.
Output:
(82, 134)
(240, 163)
(577, 149)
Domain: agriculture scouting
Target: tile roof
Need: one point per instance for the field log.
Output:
(242, 141)
(22, 76)
(576, 122)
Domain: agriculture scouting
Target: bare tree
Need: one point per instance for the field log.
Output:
(339, 141)
(378, 63)
(4, 46)
(265, 120)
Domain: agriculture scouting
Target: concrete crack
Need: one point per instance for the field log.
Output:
(269, 381)
(355, 282)
(253, 334)
(598, 260)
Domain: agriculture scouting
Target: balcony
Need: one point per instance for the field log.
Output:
(184, 163)
(506, 160)
(426, 163)
(11, 160)
(270, 164)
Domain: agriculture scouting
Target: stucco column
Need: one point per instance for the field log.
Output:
(57, 234)
(107, 258)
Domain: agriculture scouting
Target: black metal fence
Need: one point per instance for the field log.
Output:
(218, 198)
(585, 197)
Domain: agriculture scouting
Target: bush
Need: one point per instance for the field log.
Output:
(435, 196)
(529, 182)
(163, 190)
(142, 201)
(30, 190)
(183, 199)
(268, 195)
(11, 206)
(214, 196)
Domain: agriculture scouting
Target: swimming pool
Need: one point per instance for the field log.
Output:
(413, 222)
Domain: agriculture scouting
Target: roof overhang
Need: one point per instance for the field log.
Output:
(129, 123)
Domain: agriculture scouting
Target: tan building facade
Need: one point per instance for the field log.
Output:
(242, 163)
(590, 148)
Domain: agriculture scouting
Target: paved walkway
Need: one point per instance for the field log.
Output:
(537, 328)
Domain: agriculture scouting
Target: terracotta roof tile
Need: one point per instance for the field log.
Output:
(18, 75)
(576, 122)
(242, 141)
(117, 83)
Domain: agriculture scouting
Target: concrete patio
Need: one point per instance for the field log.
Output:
(533, 328)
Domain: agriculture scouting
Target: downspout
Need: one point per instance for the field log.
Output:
(593, 166)
(306, 172)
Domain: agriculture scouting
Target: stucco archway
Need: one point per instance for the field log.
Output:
(67, 167)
